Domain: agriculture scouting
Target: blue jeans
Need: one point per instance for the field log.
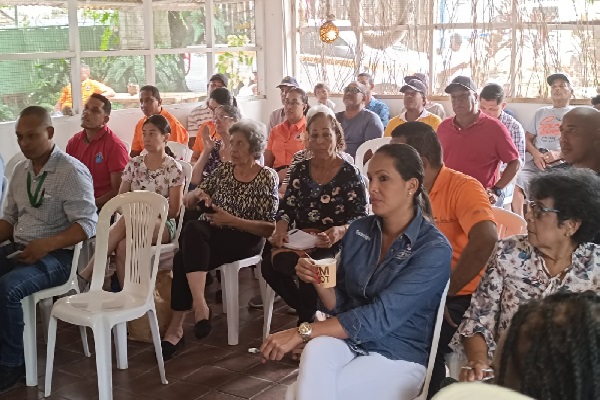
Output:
(18, 281)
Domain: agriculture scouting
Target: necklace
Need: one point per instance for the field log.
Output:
(324, 179)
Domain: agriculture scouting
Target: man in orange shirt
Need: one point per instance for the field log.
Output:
(88, 87)
(151, 103)
(462, 212)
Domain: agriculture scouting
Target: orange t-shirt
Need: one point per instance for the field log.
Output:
(285, 140)
(88, 87)
(212, 131)
(458, 203)
(178, 133)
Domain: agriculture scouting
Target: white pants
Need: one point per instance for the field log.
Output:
(329, 370)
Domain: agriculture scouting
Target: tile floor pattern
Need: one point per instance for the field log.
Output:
(209, 369)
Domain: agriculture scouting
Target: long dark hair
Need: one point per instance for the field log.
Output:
(304, 96)
(409, 165)
(552, 348)
(163, 126)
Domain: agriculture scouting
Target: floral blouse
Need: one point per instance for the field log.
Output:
(214, 160)
(255, 200)
(306, 154)
(311, 205)
(515, 274)
(170, 174)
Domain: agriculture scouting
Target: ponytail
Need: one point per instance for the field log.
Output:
(170, 152)
(421, 200)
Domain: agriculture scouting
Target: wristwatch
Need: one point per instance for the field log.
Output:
(305, 331)
(496, 190)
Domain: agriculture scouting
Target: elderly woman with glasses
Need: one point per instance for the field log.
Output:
(556, 255)
(287, 138)
(358, 123)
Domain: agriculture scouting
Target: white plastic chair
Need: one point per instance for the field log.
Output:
(181, 151)
(290, 394)
(9, 169)
(268, 298)
(478, 391)
(372, 145)
(508, 223)
(128, 146)
(103, 311)
(44, 297)
(231, 300)
(3, 194)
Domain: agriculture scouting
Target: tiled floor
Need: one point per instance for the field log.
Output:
(209, 369)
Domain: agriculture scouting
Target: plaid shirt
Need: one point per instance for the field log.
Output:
(517, 133)
(68, 198)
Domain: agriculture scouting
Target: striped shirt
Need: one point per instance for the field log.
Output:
(68, 198)
(198, 116)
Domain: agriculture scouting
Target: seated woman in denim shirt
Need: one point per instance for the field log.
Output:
(392, 272)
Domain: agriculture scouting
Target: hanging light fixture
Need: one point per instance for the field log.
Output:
(329, 32)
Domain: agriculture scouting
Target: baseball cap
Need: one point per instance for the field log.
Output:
(221, 77)
(461, 82)
(288, 81)
(414, 84)
(558, 75)
(419, 76)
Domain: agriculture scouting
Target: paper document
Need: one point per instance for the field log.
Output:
(300, 240)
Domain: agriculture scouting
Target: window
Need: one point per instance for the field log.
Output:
(174, 45)
(515, 43)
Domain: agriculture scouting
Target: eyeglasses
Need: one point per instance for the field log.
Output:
(222, 117)
(352, 89)
(292, 103)
(538, 209)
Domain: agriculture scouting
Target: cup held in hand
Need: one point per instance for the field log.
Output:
(327, 272)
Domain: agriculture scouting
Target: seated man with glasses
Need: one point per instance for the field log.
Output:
(555, 255)
(358, 123)
(50, 207)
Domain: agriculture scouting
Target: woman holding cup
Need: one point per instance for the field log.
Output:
(392, 271)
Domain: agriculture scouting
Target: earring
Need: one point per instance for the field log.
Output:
(409, 194)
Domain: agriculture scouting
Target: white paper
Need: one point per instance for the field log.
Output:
(300, 240)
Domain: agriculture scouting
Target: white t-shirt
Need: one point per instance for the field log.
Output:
(546, 126)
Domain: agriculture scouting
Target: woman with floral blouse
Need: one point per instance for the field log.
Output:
(156, 171)
(324, 195)
(556, 255)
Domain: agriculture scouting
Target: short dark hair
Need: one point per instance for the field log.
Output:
(552, 346)
(223, 96)
(321, 85)
(40, 112)
(596, 100)
(368, 76)
(423, 138)
(106, 106)
(575, 194)
(152, 89)
(492, 91)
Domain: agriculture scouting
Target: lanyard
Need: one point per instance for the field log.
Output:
(36, 200)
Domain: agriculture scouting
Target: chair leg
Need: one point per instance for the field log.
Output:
(157, 346)
(45, 306)
(268, 298)
(232, 303)
(290, 393)
(120, 334)
(50, 355)
(29, 341)
(86, 346)
(103, 361)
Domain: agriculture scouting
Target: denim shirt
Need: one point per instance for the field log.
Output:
(381, 109)
(391, 309)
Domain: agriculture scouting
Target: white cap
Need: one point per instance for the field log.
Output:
(319, 108)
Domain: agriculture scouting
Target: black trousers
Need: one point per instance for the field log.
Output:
(301, 296)
(203, 247)
(457, 306)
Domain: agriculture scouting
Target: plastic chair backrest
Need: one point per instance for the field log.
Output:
(181, 151)
(508, 223)
(372, 145)
(140, 211)
(478, 391)
(434, 343)
(12, 164)
(4, 189)
(128, 146)
(187, 171)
